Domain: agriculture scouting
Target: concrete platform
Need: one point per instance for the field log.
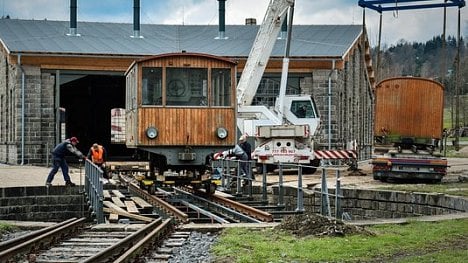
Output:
(24, 175)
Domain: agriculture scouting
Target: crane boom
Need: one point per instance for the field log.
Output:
(284, 134)
(261, 50)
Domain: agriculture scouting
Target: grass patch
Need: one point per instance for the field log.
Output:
(453, 153)
(5, 228)
(411, 241)
(449, 256)
(458, 189)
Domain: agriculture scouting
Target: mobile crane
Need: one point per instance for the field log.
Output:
(283, 134)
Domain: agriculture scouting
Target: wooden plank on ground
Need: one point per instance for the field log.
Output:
(118, 193)
(142, 203)
(112, 208)
(131, 207)
(118, 202)
(113, 218)
(106, 194)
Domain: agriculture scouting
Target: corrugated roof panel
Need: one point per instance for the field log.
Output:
(115, 39)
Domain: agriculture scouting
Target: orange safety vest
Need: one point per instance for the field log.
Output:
(97, 155)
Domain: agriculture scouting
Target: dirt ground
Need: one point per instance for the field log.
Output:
(310, 224)
(16, 175)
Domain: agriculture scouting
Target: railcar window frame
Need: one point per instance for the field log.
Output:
(152, 86)
(186, 86)
(221, 87)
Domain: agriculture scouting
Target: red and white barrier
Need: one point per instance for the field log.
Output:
(335, 154)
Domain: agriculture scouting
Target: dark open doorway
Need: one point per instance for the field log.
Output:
(88, 101)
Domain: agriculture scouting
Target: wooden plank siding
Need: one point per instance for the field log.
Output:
(100, 63)
(299, 66)
(187, 126)
(410, 107)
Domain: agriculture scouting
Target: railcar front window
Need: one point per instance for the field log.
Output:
(187, 87)
(151, 86)
(221, 86)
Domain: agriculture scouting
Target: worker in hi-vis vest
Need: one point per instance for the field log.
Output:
(98, 155)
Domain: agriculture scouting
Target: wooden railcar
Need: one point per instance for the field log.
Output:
(409, 110)
(181, 108)
(408, 130)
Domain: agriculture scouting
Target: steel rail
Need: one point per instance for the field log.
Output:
(21, 239)
(41, 240)
(245, 209)
(202, 211)
(228, 211)
(120, 247)
(146, 242)
(197, 209)
(248, 210)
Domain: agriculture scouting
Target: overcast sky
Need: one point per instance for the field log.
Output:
(411, 25)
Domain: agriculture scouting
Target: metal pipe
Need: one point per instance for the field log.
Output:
(222, 21)
(338, 211)
(378, 48)
(136, 18)
(264, 183)
(57, 108)
(280, 186)
(457, 88)
(444, 50)
(325, 202)
(300, 191)
(329, 103)
(22, 108)
(73, 7)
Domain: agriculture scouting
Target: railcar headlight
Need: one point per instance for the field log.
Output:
(152, 132)
(222, 133)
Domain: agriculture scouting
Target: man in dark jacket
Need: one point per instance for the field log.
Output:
(245, 145)
(58, 160)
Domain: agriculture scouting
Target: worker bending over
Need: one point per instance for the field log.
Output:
(98, 155)
(240, 155)
(58, 160)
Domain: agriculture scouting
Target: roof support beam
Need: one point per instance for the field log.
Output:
(396, 5)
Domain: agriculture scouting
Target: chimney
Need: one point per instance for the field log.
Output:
(222, 22)
(73, 8)
(251, 21)
(136, 19)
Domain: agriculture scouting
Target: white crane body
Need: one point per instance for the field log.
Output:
(283, 134)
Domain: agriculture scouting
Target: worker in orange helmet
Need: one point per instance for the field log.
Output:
(98, 155)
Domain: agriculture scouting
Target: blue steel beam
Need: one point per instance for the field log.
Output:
(394, 5)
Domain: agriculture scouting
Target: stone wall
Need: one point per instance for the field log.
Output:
(39, 115)
(53, 204)
(351, 111)
(361, 204)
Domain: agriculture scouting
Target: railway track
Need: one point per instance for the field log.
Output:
(186, 204)
(74, 241)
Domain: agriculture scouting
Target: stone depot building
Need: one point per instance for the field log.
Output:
(62, 78)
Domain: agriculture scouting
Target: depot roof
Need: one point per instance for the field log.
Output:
(116, 39)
